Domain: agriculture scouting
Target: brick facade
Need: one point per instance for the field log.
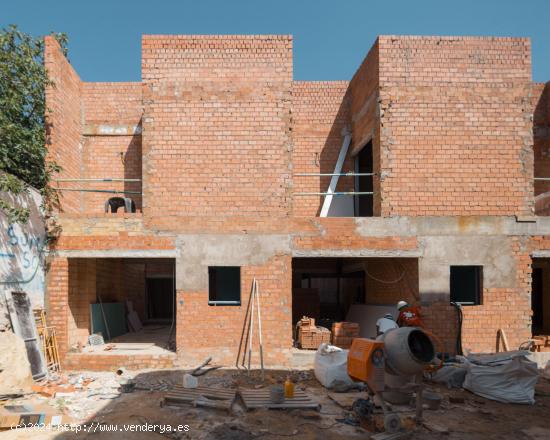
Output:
(217, 130)
(63, 118)
(456, 120)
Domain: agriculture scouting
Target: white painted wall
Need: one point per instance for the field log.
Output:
(21, 252)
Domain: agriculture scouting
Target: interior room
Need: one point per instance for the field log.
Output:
(358, 290)
(540, 299)
(129, 302)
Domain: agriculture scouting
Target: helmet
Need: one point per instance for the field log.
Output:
(401, 304)
(388, 316)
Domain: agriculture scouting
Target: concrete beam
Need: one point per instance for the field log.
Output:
(198, 251)
(445, 226)
(115, 253)
(358, 253)
(111, 130)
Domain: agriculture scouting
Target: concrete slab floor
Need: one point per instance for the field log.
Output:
(151, 340)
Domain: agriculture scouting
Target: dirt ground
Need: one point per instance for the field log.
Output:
(101, 406)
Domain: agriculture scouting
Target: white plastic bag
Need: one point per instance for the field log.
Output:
(508, 380)
(331, 366)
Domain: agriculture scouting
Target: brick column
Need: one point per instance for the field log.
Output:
(58, 300)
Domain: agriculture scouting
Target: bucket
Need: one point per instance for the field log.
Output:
(277, 394)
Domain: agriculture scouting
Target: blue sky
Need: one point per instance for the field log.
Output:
(330, 37)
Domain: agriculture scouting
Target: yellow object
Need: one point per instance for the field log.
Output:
(289, 389)
(366, 362)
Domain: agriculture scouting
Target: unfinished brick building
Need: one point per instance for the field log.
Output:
(229, 161)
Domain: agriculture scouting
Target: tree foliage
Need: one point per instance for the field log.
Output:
(23, 80)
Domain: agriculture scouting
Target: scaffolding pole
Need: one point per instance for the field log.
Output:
(108, 179)
(349, 174)
(341, 193)
(108, 191)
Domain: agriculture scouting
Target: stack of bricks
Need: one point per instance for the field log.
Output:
(541, 343)
(343, 333)
(310, 336)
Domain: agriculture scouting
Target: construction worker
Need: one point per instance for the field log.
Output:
(409, 316)
(385, 323)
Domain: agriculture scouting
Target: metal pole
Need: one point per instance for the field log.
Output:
(334, 174)
(337, 170)
(542, 178)
(348, 193)
(260, 328)
(108, 179)
(251, 330)
(109, 191)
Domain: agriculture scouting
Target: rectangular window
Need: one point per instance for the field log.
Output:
(466, 285)
(224, 285)
(363, 203)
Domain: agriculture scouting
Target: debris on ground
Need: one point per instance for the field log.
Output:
(97, 397)
(15, 369)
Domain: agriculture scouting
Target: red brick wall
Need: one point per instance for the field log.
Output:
(204, 330)
(389, 280)
(112, 105)
(82, 292)
(124, 241)
(112, 102)
(57, 291)
(112, 362)
(456, 126)
(509, 309)
(339, 233)
(63, 119)
(502, 308)
(216, 130)
(320, 110)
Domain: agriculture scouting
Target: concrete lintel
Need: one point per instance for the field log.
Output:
(540, 254)
(198, 251)
(451, 225)
(111, 130)
(358, 253)
(115, 253)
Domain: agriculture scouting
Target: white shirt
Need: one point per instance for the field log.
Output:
(385, 324)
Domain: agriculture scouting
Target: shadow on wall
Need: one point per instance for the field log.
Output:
(541, 134)
(341, 206)
(133, 167)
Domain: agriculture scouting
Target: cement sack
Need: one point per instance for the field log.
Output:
(451, 375)
(15, 369)
(331, 366)
(510, 379)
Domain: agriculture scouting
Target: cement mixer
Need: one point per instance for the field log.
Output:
(389, 364)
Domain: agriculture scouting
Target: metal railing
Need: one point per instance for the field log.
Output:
(336, 193)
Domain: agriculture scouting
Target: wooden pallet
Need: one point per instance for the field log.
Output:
(48, 339)
(224, 398)
(201, 396)
(253, 399)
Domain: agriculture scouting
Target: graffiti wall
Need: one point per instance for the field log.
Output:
(22, 253)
